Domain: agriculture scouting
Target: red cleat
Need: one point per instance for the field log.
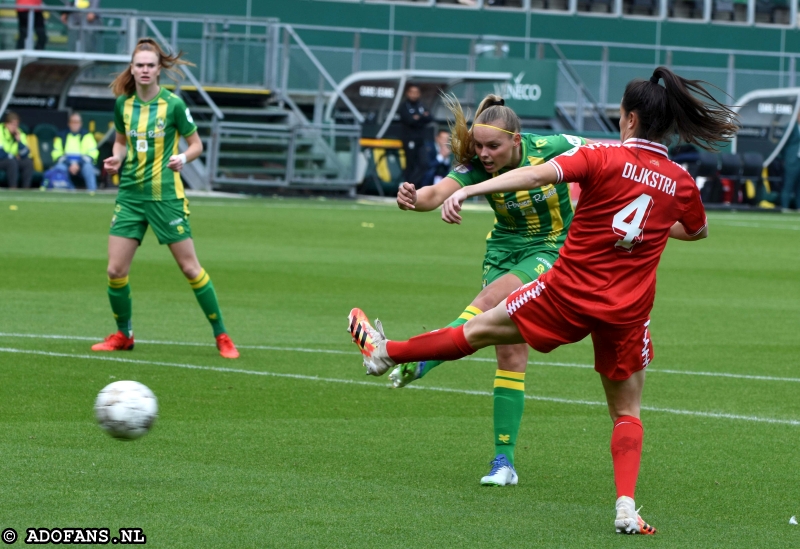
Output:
(115, 342)
(226, 347)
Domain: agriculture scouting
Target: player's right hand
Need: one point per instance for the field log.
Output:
(406, 196)
(111, 165)
(452, 207)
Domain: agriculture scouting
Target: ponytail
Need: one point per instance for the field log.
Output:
(124, 84)
(492, 111)
(681, 107)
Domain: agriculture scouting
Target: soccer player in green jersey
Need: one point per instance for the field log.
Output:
(150, 121)
(530, 228)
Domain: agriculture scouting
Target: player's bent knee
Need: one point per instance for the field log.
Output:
(191, 271)
(115, 272)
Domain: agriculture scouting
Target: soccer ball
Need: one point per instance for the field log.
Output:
(126, 409)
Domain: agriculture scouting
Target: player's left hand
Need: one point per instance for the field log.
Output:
(452, 206)
(175, 163)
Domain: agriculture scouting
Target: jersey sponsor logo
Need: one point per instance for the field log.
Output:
(141, 145)
(545, 195)
(650, 178)
(574, 141)
(463, 168)
(570, 152)
(176, 221)
(189, 116)
(519, 205)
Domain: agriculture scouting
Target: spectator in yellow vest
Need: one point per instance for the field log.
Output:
(15, 156)
(76, 148)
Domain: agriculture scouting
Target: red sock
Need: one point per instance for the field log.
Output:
(626, 452)
(444, 344)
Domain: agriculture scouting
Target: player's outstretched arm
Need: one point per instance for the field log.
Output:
(427, 198)
(521, 179)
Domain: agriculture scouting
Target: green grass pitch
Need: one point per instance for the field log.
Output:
(292, 446)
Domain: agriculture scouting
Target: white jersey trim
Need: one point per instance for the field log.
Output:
(559, 171)
(700, 230)
(651, 146)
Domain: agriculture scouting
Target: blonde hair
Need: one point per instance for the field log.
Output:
(124, 84)
(491, 111)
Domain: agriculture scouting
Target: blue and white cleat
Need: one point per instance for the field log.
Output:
(502, 473)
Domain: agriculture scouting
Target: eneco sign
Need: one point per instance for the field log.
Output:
(519, 91)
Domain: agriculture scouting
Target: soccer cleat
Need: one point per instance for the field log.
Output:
(405, 374)
(226, 347)
(628, 520)
(502, 473)
(370, 341)
(115, 342)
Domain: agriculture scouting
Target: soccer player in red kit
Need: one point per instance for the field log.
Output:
(633, 198)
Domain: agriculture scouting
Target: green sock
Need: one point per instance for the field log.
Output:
(207, 298)
(468, 313)
(119, 294)
(509, 403)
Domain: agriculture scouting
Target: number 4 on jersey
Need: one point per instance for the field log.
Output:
(629, 221)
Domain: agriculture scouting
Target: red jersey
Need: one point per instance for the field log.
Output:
(631, 194)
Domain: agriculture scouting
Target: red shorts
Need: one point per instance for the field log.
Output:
(619, 350)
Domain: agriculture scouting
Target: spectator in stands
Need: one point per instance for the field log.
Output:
(415, 118)
(38, 24)
(15, 156)
(440, 159)
(79, 37)
(76, 149)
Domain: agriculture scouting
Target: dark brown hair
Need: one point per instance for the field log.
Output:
(124, 84)
(492, 111)
(680, 107)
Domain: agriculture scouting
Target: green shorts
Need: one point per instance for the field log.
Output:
(526, 264)
(168, 218)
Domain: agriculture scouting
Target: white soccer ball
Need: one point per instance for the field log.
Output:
(126, 409)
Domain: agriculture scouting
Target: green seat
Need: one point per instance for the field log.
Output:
(46, 134)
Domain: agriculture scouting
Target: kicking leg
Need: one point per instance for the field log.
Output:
(493, 327)
(489, 297)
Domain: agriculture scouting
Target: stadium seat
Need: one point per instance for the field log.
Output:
(46, 134)
(730, 175)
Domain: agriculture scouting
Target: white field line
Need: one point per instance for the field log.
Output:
(351, 353)
(755, 225)
(714, 415)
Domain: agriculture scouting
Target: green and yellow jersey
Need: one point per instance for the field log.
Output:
(153, 129)
(538, 218)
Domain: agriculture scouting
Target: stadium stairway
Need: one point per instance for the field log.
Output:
(262, 143)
